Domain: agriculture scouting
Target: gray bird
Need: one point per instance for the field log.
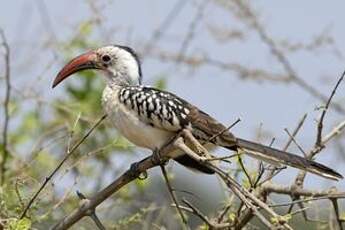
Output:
(150, 117)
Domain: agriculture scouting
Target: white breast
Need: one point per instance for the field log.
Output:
(128, 124)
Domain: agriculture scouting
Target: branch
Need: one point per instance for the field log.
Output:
(320, 144)
(131, 174)
(270, 187)
(178, 142)
(172, 194)
(337, 130)
(320, 124)
(295, 142)
(294, 133)
(6, 105)
(69, 153)
(204, 218)
(252, 201)
(275, 171)
(337, 213)
(91, 213)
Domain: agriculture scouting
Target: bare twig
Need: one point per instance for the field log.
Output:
(197, 212)
(223, 158)
(294, 133)
(47, 179)
(275, 171)
(221, 132)
(240, 161)
(318, 142)
(337, 213)
(337, 130)
(250, 199)
(272, 142)
(172, 194)
(16, 188)
(224, 212)
(270, 187)
(306, 200)
(295, 142)
(6, 107)
(204, 218)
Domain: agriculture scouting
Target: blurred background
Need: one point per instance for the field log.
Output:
(266, 62)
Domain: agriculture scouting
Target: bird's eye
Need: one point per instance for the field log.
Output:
(106, 58)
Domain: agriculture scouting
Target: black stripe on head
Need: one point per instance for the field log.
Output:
(135, 56)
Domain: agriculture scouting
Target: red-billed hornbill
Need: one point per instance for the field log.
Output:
(149, 117)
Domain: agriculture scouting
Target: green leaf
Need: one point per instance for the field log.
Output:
(18, 224)
(232, 216)
(281, 219)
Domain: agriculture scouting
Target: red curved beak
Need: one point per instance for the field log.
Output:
(82, 62)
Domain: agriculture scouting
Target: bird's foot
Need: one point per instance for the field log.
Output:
(198, 148)
(157, 158)
(135, 172)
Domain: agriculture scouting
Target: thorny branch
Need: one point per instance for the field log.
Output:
(296, 190)
(5, 151)
(319, 144)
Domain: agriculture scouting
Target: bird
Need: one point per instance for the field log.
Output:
(149, 117)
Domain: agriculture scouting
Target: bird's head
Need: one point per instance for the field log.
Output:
(120, 65)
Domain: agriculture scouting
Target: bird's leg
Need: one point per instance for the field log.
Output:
(201, 150)
(179, 143)
(157, 159)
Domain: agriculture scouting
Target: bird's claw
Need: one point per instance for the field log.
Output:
(136, 173)
(157, 159)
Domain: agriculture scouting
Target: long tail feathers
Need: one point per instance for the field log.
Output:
(279, 157)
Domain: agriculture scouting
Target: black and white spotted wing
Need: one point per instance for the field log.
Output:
(157, 108)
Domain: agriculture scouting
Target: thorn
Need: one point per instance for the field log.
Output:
(80, 195)
(92, 212)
